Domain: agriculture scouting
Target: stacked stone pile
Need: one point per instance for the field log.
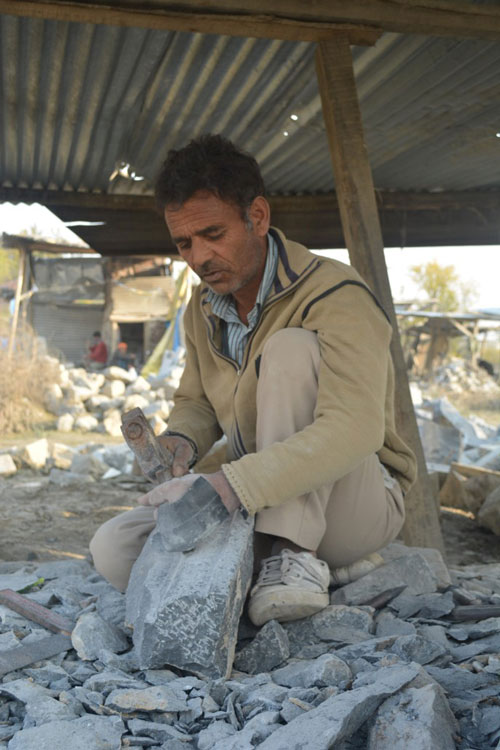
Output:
(459, 376)
(94, 401)
(64, 465)
(387, 664)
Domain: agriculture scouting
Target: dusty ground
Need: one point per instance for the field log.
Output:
(41, 522)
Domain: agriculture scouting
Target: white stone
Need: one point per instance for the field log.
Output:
(111, 473)
(36, 454)
(86, 423)
(157, 408)
(88, 463)
(53, 398)
(65, 422)
(98, 401)
(7, 465)
(113, 388)
(112, 423)
(118, 373)
(61, 455)
(158, 424)
(140, 385)
(135, 401)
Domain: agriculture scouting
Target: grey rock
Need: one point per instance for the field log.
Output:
(433, 557)
(474, 630)
(180, 615)
(68, 478)
(412, 570)
(157, 731)
(111, 606)
(41, 707)
(388, 624)
(156, 698)
(341, 715)
(106, 681)
(80, 734)
(215, 732)
(268, 649)
(488, 645)
(58, 568)
(88, 464)
(414, 648)
(91, 634)
(160, 676)
(436, 633)
(327, 624)
(435, 606)
(416, 718)
(325, 670)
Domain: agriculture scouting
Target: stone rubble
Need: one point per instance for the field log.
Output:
(402, 673)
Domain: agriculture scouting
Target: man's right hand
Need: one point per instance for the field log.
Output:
(181, 450)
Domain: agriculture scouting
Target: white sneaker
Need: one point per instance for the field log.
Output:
(351, 573)
(290, 586)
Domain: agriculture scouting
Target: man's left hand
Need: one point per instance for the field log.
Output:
(174, 489)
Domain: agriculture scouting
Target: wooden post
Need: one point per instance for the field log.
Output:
(363, 237)
(17, 302)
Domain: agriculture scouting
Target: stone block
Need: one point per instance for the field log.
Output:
(53, 398)
(135, 401)
(61, 455)
(416, 718)
(185, 607)
(91, 634)
(7, 465)
(341, 715)
(65, 422)
(412, 570)
(140, 385)
(156, 698)
(86, 423)
(268, 649)
(36, 454)
(113, 388)
(324, 671)
(118, 373)
(112, 423)
(489, 515)
(88, 464)
(103, 732)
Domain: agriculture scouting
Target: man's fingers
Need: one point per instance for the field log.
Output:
(182, 456)
(168, 492)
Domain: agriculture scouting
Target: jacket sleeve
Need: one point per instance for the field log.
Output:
(349, 418)
(193, 415)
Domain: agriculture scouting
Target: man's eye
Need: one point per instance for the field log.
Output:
(215, 237)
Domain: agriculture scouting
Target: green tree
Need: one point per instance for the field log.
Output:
(440, 283)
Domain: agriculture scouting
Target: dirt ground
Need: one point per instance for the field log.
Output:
(39, 521)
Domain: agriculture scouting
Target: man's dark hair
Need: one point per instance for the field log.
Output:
(97, 333)
(210, 163)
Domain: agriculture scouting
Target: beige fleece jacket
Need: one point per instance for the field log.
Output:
(354, 414)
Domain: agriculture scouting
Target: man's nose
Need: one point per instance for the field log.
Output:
(200, 253)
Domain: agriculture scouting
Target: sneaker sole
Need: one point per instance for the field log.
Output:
(285, 605)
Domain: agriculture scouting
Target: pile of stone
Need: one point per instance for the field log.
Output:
(65, 465)
(94, 402)
(459, 376)
(390, 663)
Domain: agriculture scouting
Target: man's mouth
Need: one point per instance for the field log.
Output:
(211, 276)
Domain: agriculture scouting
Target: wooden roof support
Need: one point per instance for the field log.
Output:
(363, 236)
(260, 25)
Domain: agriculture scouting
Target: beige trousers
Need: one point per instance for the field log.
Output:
(357, 515)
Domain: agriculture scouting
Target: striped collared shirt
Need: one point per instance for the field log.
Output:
(234, 332)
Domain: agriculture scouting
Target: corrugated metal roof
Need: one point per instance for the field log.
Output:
(79, 99)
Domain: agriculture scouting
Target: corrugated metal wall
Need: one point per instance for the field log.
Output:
(76, 100)
(67, 329)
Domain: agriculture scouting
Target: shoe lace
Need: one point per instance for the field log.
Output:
(289, 567)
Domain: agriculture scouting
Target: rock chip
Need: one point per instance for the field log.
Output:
(7, 465)
(91, 634)
(324, 671)
(268, 649)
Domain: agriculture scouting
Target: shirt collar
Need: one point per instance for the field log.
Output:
(223, 304)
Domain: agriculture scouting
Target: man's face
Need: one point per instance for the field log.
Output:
(225, 250)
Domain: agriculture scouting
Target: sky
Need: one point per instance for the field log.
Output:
(477, 266)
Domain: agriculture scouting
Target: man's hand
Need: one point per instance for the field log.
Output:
(182, 452)
(174, 489)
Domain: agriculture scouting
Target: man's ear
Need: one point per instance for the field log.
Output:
(260, 215)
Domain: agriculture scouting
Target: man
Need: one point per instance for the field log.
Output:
(97, 354)
(288, 357)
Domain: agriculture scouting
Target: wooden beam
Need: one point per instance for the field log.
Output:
(362, 232)
(261, 26)
(410, 219)
(455, 18)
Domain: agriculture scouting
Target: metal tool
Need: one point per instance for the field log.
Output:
(155, 463)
